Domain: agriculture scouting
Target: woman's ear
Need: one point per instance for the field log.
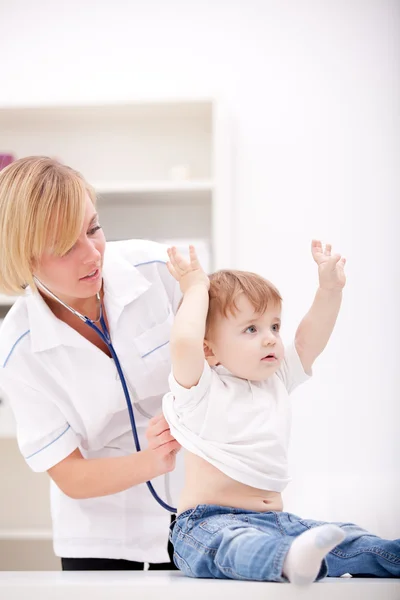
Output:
(209, 354)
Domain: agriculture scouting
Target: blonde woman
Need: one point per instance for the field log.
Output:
(62, 381)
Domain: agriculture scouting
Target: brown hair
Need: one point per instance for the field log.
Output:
(42, 206)
(225, 287)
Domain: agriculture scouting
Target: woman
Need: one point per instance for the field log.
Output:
(62, 383)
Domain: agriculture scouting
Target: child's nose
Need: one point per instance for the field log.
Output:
(269, 339)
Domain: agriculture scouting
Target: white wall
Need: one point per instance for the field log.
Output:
(313, 91)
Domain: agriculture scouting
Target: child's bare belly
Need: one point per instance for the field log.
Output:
(205, 484)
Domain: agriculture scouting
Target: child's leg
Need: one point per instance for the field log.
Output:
(213, 541)
(303, 561)
(360, 553)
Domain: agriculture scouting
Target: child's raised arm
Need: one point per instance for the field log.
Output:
(316, 327)
(188, 330)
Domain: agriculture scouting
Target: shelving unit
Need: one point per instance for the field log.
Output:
(24, 511)
(26, 534)
(7, 421)
(161, 168)
(6, 300)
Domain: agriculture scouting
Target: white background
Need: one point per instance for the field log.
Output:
(312, 88)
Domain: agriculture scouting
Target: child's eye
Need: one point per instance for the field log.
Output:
(251, 329)
(276, 327)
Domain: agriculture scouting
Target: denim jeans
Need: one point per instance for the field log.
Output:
(230, 543)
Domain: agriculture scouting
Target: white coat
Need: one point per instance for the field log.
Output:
(65, 394)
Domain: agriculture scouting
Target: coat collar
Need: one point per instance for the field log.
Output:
(123, 283)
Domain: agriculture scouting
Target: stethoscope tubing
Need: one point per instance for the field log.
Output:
(104, 335)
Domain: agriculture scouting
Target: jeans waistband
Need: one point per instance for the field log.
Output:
(207, 510)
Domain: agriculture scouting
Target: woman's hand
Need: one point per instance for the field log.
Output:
(162, 445)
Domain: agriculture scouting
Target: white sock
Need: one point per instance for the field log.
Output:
(303, 561)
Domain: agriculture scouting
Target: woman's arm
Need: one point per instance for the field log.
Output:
(81, 478)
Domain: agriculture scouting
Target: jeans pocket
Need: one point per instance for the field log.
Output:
(217, 522)
(310, 523)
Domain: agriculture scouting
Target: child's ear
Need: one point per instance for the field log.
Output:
(209, 354)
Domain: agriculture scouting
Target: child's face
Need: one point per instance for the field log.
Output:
(248, 344)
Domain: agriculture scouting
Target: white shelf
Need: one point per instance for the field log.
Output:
(7, 300)
(134, 153)
(174, 193)
(182, 106)
(26, 534)
(119, 142)
(8, 428)
(7, 420)
(150, 187)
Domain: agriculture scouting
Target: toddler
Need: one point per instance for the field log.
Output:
(229, 408)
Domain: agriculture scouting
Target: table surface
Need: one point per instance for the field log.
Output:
(156, 585)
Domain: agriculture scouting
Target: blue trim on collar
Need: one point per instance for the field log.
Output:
(151, 262)
(13, 348)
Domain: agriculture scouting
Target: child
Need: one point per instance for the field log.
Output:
(229, 408)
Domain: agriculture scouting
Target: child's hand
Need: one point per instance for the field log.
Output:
(330, 268)
(188, 274)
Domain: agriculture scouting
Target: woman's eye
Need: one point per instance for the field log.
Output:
(94, 229)
(251, 329)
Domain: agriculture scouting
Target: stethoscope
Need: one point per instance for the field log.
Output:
(104, 335)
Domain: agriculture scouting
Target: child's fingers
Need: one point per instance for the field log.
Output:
(316, 249)
(328, 249)
(174, 258)
(334, 259)
(316, 246)
(194, 261)
(172, 270)
(179, 262)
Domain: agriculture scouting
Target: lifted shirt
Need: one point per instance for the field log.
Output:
(241, 427)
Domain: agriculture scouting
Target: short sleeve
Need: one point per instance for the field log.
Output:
(185, 409)
(188, 399)
(291, 371)
(172, 288)
(44, 436)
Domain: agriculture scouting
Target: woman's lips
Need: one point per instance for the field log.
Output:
(93, 276)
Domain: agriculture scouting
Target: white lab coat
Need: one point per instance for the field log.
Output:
(65, 394)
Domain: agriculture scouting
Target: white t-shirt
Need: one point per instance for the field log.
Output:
(241, 427)
(65, 394)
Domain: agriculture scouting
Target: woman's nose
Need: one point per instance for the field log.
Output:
(91, 253)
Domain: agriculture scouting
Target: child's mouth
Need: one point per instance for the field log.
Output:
(269, 358)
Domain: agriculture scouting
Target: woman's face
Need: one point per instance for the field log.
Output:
(78, 273)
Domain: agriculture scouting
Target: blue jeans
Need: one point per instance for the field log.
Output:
(231, 543)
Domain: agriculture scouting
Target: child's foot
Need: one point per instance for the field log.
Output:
(303, 561)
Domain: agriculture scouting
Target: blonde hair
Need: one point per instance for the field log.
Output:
(42, 206)
(226, 286)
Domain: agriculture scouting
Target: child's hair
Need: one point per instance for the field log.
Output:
(42, 206)
(225, 287)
